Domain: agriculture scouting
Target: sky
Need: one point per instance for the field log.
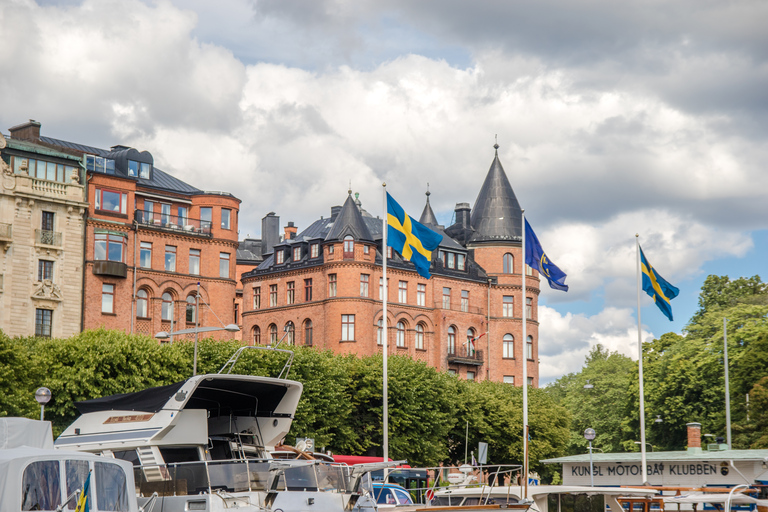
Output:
(613, 119)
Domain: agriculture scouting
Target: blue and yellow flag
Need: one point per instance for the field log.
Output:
(82, 502)
(536, 258)
(657, 287)
(411, 239)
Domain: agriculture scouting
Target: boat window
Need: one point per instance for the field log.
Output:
(185, 454)
(129, 455)
(403, 498)
(111, 487)
(385, 497)
(77, 472)
(445, 501)
(301, 478)
(577, 502)
(40, 486)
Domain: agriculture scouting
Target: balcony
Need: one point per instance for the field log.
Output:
(471, 358)
(174, 223)
(110, 268)
(464, 308)
(45, 237)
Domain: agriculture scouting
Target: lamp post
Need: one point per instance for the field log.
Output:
(162, 335)
(649, 444)
(589, 435)
(43, 396)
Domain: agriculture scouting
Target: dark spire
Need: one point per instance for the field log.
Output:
(428, 216)
(349, 221)
(496, 216)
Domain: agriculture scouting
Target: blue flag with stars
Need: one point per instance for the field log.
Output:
(536, 258)
(411, 239)
(657, 287)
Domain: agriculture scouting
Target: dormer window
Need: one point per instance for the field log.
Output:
(279, 257)
(140, 169)
(314, 250)
(349, 246)
(460, 261)
(296, 253)
(99, 164)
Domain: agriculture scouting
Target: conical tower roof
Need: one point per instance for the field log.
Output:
(349, 221)
(496, 216)
(428, 216)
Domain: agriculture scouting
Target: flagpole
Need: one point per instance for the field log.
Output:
(384, 252)
(640, 358)
(524, 353)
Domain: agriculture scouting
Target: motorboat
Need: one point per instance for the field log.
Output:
(206, 444)
(35, 476)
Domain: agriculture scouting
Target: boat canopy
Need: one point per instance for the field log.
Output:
(17, 432)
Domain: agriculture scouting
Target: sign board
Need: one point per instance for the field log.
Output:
(482, 453)
(693, 473)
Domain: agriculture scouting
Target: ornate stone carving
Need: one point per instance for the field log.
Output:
(47, 290)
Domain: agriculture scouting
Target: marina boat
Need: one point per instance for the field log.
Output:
(34, 476)
(206, 444)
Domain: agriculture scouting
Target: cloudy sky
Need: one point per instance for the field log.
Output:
(613, 118)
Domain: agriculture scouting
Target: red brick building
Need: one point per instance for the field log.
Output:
(323, 287)
(150, 239)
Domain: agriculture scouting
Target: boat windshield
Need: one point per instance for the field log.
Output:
(576, 502)
(187, 478)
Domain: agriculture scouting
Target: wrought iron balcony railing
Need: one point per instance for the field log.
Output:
(45, 237)
(174, 223)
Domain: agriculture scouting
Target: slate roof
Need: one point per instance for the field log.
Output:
(349, 221)
(497, 215)
(428, 216)
(249, 252)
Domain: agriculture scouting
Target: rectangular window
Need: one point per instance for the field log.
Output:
(206, 217)
(314, 250)
(460, 261)
(529, 308)
(145, 255)
(111, 201)
(381, 288)
(421, 294)
(470, 375)
(272, 295)
(170, 258)
(330, 249)
(331, 285)
(347, 327)
(194, 261)
(290, 292)
(508, 347)
(140, 169)
(183, 216)
(530, 381)
(99, 164)
(165, 214)
(508, 306)
(451, 263)
(366, 249)
(402, 292)
(224, 264)
(529, 348)
(108, 247)
(44, 270)
(446, 298)
(296, 253)
(465, 300)
(509, 379)
(364, 279)
(46, 222)
(279, 257)
(43, 322)
(226, 217)
(389, 252)
(257, 297)
(149, 211)
(107, 298)
(528, 271)
(307, 290)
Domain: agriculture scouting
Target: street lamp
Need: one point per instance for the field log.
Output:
(163, 335)
(658, 419)
(43, 396)
(649, 444)
(589, 435)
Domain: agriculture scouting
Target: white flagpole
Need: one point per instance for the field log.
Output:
(384, 336)
(640, 358)
(727, 387)
(524, 351)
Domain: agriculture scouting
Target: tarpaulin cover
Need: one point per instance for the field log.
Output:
(148, 400)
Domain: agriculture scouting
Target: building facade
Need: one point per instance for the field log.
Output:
(42, 209)
(323, 287)
(157, 254)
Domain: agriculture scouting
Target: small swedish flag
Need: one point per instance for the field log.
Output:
(657, 287)
(410, 238)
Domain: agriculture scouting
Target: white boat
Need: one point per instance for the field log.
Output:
(206, 444)
(35, 476)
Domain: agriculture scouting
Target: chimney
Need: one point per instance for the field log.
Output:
(290, 231)
(694, 437)
(27, 131)
(462, 214)
(335, 212)
(270, 233)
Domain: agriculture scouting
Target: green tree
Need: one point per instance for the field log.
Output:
(720, 292)
(18, 378)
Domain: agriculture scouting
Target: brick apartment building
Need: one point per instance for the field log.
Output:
(150, 239)
(323, 287)
(42, 210)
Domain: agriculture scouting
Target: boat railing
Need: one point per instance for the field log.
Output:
(230, 364)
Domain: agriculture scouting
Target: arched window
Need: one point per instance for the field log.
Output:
(380, 333)
(308, 332)
(272, 334)
(142, 303)
(191, 309)
(419, 341)
(290, 329)
(451, 340)
(256, 335)
(530, 347)
(167, 313)
(400, 334)
(509, 264)
(471, 341)
(349, 246)
(508, 346)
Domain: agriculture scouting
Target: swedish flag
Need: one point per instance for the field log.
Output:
(657, 287)
(83, 502)
(411, 239)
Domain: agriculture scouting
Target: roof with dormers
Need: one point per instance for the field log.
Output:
(496, 216)
(349, 222)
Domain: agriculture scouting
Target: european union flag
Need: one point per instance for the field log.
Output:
(411, 239)
(537, 259)
(657, 287)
